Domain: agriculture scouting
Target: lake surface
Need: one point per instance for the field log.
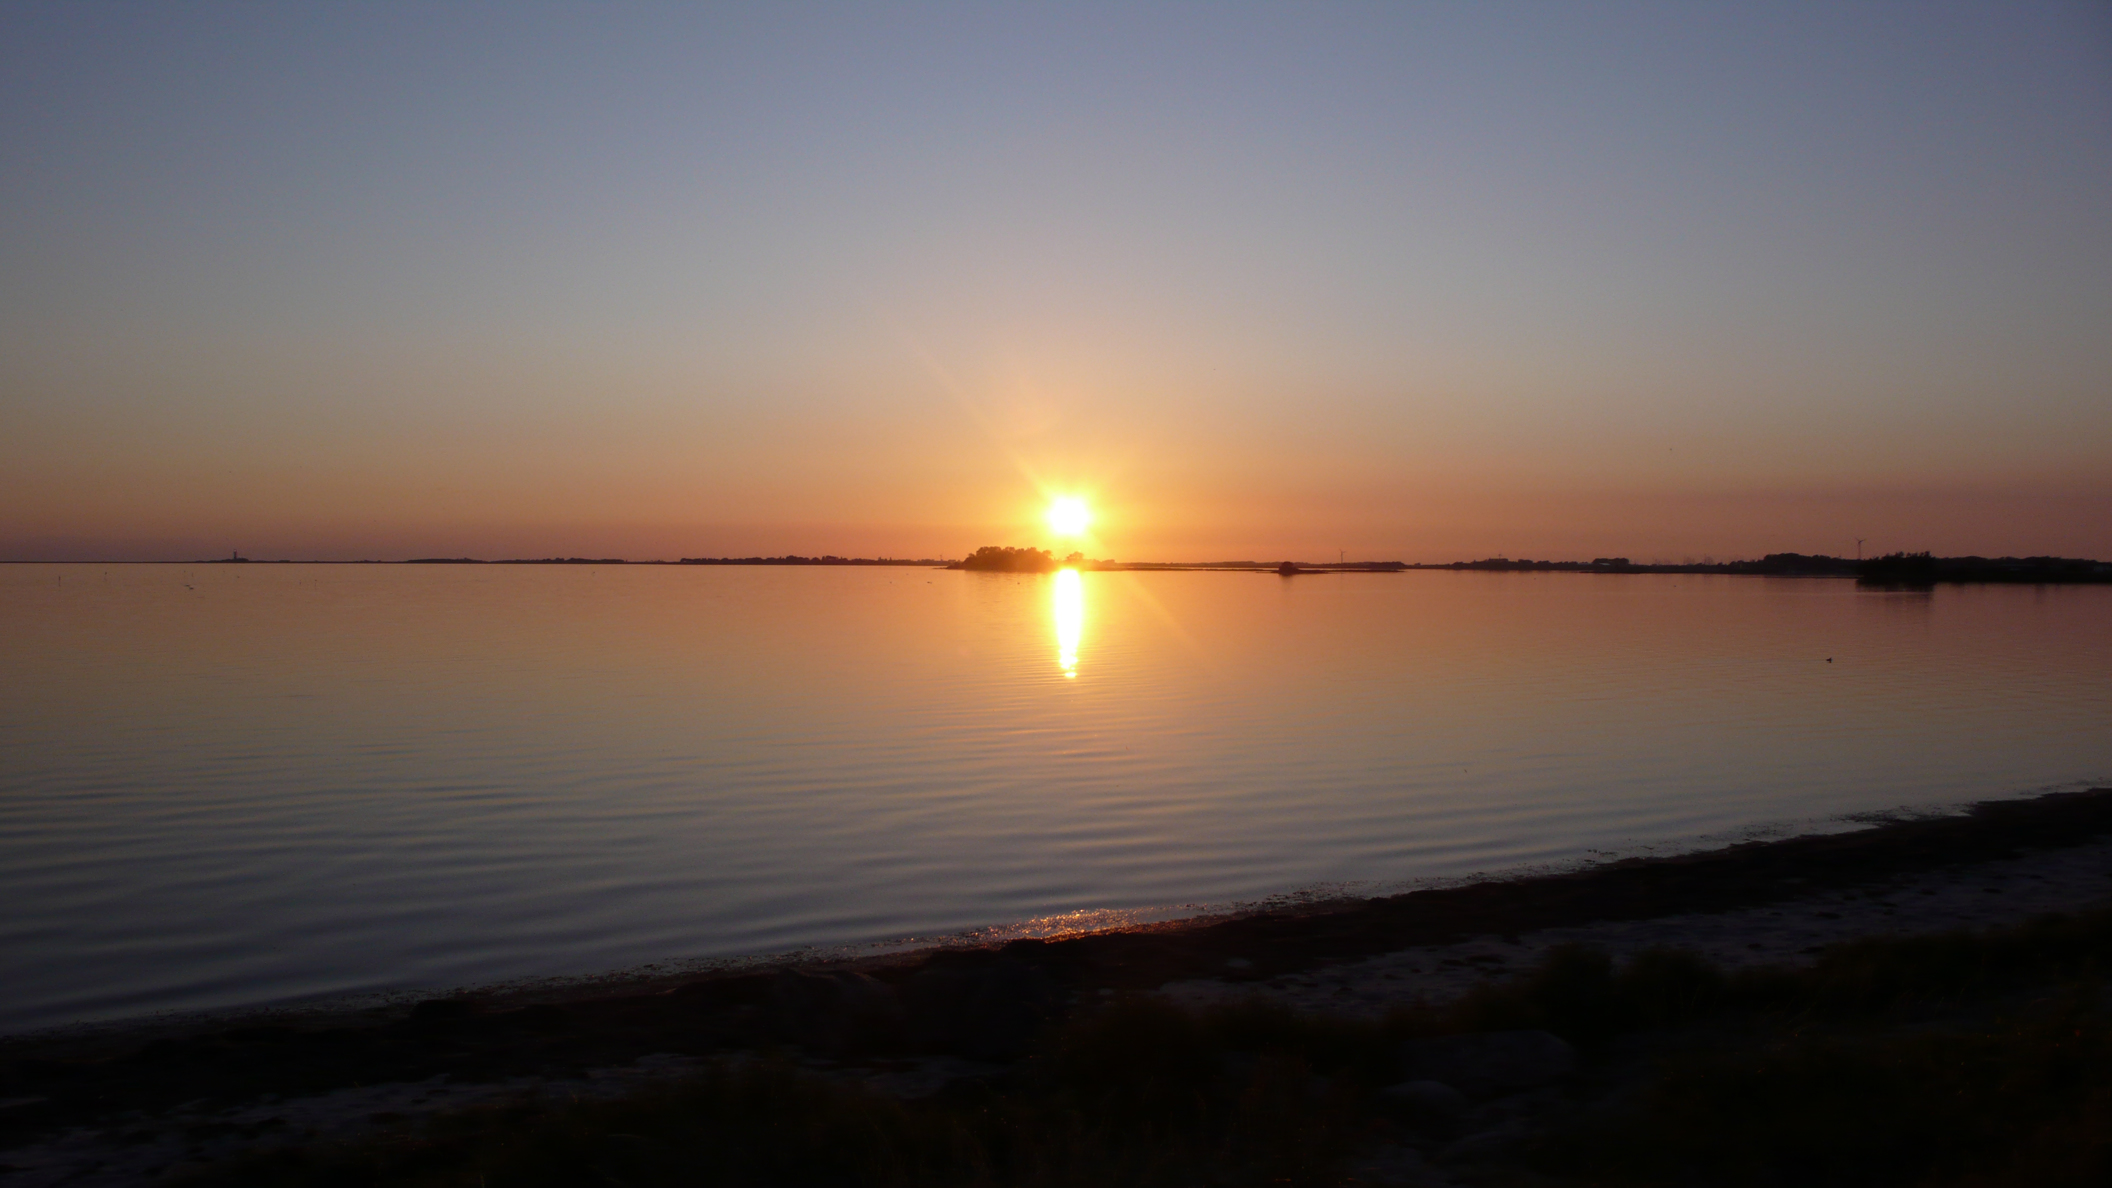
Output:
(228, 784)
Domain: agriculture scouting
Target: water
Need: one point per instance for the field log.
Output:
(223, 785)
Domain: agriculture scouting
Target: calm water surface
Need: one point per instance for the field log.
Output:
(223, 785)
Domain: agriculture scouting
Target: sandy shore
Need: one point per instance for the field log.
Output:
(121, 1106)
(1986, 894)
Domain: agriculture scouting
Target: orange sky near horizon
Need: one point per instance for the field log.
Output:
(1422, 285)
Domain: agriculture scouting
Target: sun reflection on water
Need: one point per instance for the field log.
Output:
(1068, 604)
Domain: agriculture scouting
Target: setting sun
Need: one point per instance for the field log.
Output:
(1069, 517)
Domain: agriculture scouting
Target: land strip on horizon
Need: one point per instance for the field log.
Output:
(1896, 569)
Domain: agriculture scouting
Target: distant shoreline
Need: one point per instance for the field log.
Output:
(1893, 571)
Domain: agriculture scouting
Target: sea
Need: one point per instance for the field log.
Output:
(228, 786)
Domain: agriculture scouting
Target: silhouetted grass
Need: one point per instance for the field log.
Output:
(2026, 1101)
(1950, 1061)
(1578, 993)
(1139, 1094)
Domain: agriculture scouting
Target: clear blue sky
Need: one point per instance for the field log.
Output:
(1413, 280)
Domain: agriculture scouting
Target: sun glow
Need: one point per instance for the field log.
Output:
(1069, 517)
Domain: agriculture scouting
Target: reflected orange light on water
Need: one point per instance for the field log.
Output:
(1068, 605)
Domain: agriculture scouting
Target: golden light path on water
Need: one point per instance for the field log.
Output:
(592, 768)
(1068, 603)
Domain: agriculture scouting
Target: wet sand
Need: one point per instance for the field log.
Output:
(1791, 931)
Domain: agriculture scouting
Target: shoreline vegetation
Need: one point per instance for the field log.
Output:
(1901, 571)
(1924, 1054)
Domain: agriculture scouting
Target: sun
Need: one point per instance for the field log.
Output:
(1069, 517)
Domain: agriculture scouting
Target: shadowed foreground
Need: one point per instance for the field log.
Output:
(1920, 1058)
(1954, 1060)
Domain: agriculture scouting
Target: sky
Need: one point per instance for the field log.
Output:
(1397, 281)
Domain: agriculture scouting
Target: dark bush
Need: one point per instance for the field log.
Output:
(1668, 986)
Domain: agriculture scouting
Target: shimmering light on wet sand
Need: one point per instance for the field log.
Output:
(227, 784)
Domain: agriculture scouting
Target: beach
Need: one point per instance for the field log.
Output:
(132, 1103)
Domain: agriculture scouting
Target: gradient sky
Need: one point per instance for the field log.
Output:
(1411, 281)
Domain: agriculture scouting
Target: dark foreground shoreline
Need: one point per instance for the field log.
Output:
(991, 1008)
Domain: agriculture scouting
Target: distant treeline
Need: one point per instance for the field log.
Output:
(527, 561)
(1892, 569)
(1774, 564)
(1921, 569)
(796, 559)
(787, 559)
(999, 559)
(1006, 560)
